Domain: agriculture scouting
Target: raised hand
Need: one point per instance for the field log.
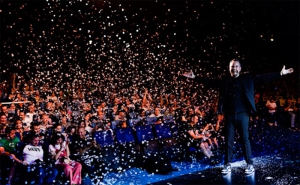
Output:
(286, 71)
(189, 74)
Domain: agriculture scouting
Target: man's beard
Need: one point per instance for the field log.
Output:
(235, 73)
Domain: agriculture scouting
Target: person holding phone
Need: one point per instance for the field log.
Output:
(60, 152)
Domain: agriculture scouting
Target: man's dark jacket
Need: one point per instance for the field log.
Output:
(248, 82)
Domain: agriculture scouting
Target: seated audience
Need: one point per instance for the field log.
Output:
(290, 109)
(59, 153)
(8, 157)
(85, 150)
(33, 158)
(196, 138)
(272, 111)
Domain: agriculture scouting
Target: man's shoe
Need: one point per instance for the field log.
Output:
(249, 169)
(226, 169)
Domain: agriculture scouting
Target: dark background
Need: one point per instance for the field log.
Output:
(245, 28)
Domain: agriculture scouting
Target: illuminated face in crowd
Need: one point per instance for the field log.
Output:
(99, 109)
(58, 128)
(22, 115)
(59, 141)
(122, 115)
(64, 119)
(81, 132)
(37, 129)
(45, 119)
(100, 115)
(103, 104)
(12, 134)
(234, 68)
(31, 108)
(12, 106)
(4, 109)
(35, 141)
(195, 119)
(156, 111)
(3, 119)
(124, 124)
(191, 111)
(19, 124)
(143, 113)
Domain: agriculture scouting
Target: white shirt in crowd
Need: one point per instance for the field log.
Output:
(32, 153)
(272, 105)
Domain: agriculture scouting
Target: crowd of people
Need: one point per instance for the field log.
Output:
(132, 70)
(64, 125)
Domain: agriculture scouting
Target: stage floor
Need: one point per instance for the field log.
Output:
(269, 170)
(276, 156)
(277, 161)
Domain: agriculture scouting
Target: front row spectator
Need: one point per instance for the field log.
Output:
(59, 152)
(7, 154)
(85, 150)
(196, 139)
(33, 155)
(211, 135)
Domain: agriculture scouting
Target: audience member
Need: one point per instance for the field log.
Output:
(8, 145)
(59, 153)
(196, 138)
(272, 111)
(85, 150)
(33, 158)
(291, 110)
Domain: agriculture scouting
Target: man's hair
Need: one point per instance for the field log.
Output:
(33, 135)
(56, 125)
(33, 124)
(236, 60)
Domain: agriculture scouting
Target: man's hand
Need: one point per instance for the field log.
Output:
(189, 74)
(286, 71)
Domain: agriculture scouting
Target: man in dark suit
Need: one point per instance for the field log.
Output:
(236, 100)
